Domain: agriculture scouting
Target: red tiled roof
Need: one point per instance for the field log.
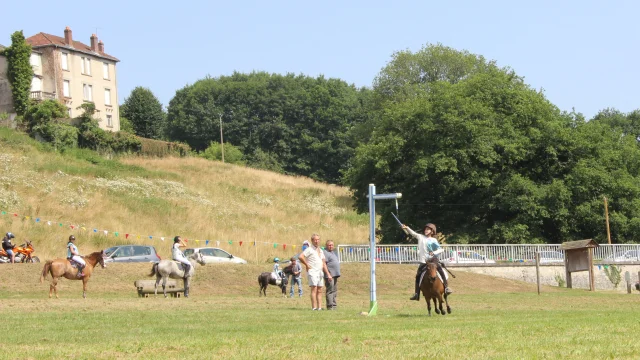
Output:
(41, 39)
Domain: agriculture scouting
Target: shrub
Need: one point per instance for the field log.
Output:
(91, 136)
(560, 280)
(232, 154)
(159, 148)
(60, 135)
(613, 273)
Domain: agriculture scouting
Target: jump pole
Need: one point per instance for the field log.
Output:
(373, 304)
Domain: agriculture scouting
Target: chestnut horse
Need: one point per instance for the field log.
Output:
(62, 268)
(432, 288)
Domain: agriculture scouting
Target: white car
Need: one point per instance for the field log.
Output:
(550, 257)
(213, 255)
(465, 257)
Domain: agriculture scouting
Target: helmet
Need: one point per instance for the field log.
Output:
(276, 260)
(72, 237)
(430, 226)
(10, 235)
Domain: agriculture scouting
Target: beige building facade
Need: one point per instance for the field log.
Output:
(73, 73)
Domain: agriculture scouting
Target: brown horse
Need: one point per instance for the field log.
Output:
(433, 288)
(62, 268)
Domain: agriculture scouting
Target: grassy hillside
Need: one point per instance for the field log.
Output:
(79, 191)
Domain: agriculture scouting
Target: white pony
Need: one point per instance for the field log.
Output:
(172, 269)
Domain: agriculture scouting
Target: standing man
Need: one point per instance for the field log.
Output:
(7, 246)
(296, 276)
(333, 265)
(313, 260)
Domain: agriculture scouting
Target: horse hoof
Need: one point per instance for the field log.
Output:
(448, 311)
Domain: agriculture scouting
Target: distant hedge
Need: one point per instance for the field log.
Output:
(161, 148)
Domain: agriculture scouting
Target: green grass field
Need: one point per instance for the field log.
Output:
(224, 318)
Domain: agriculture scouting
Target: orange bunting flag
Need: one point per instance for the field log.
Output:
(284, 246)
(72, 227)
(240, 243)
(126, 236)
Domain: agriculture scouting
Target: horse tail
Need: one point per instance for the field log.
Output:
(154, 269)
(45, 270)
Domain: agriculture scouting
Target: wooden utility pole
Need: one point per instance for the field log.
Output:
(606, 216)
(222, 143)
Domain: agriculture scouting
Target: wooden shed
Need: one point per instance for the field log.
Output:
(579, 257)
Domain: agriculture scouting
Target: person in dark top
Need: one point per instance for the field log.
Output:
(7, 246)
(333, 265)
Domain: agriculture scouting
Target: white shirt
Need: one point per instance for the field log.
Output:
(314, 257)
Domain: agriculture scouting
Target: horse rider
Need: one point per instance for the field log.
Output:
(7, 246)
(177, 255)
(73, 254)
(428, 251)
(276, 269)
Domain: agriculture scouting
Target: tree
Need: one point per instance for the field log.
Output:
(19, 71)
(126, 125)
(145, 113)
(299, 124)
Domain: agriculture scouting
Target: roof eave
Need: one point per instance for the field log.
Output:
(114, 59)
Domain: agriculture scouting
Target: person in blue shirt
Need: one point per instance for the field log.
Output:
(74, 254)
(428, 251)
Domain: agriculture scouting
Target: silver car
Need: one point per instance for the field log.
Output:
(131, 253)
(213, 255)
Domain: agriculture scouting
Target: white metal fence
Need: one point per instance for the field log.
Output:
(472, 255)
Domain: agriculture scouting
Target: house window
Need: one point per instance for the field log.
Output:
(36, 84)
(87, 92)
(35, 60)
(66, 90)
(69, 112)
(65, 61)
(109, 121)
(107, 97)
(105, 70)
(85, 65)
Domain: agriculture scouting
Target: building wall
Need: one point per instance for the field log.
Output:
(77, 81)
(6, 99)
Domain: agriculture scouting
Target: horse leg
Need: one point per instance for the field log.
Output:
(428, 300)
(52, 287)
(84, 287)
(446, 300)
(440, 304)
(164, 286)
(158, 277)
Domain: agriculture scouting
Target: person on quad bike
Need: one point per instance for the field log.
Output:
(7, 246)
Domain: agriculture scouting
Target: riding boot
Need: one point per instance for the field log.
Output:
(186, 270)
(416, 294)
(80, 271)
(444, 281)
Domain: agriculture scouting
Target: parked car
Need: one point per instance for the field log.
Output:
(213, 255)
(624, 256)
(131, 253)
(465, 257)
(552, 256)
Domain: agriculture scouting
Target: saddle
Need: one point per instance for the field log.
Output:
(74, 264)
(276, 278)
(438, 273)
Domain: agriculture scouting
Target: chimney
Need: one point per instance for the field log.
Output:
(94, 43)
(68, 38)
(101, 46)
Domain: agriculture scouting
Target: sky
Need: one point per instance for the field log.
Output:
(583, 54)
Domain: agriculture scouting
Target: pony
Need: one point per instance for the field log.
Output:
(265, 279)
(172, 269)
(433, 289)
(63, 268)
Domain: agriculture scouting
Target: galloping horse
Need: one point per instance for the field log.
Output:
(265, 279)
(62, 267)
(432, 288)
(172, 269)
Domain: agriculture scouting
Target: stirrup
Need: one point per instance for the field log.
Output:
(447, 290)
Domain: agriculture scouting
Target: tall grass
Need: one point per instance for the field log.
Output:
(192, 197)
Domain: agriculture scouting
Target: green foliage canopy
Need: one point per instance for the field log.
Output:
(145, 113)
(295, 123)
(19, 71)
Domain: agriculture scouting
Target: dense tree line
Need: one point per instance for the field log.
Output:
(490, 160)
(470, 145)
(293, 124)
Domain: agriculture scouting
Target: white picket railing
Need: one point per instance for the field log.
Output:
(472, 255)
